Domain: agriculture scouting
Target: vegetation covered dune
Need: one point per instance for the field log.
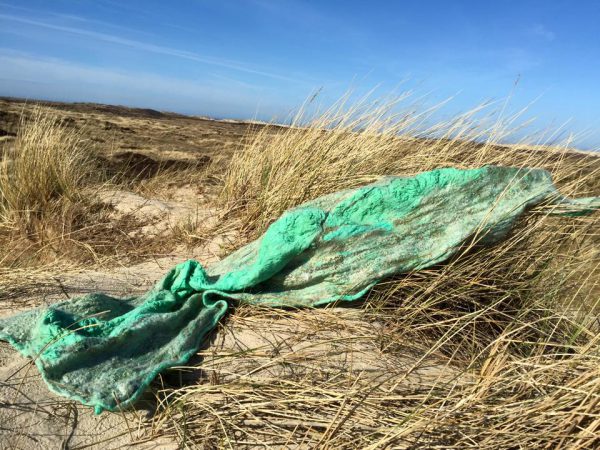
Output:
(497, 348)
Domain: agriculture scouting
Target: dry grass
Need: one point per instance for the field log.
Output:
(354, 143)
(48, 164)
(50, 216)
(498, 348)
(513, 329)
(43, 196)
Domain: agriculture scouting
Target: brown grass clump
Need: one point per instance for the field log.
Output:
(503, 341)
(44, 201)
(352, 387)
(49, 210)
(49, 164)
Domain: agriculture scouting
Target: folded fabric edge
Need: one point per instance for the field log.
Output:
(221, 307)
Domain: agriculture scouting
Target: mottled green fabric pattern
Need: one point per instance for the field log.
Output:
(105, 351)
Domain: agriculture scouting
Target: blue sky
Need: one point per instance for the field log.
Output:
(262, 58)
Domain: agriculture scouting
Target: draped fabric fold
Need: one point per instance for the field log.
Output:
(105, 351)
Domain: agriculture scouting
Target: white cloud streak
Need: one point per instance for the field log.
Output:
(31, 76)
(151, 48)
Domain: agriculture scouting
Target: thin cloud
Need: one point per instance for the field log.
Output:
(54, 69)
(72, 17)
(32, 76)
(540, 30)
(152, 48)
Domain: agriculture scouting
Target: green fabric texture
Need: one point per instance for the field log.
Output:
(104, 351)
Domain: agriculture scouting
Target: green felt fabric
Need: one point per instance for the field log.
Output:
(104, 351)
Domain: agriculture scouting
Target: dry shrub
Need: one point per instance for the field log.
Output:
(514, 327)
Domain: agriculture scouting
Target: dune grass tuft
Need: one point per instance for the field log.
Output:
(350, 144)
(50, 210)
(498, 348)
(47, 167)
